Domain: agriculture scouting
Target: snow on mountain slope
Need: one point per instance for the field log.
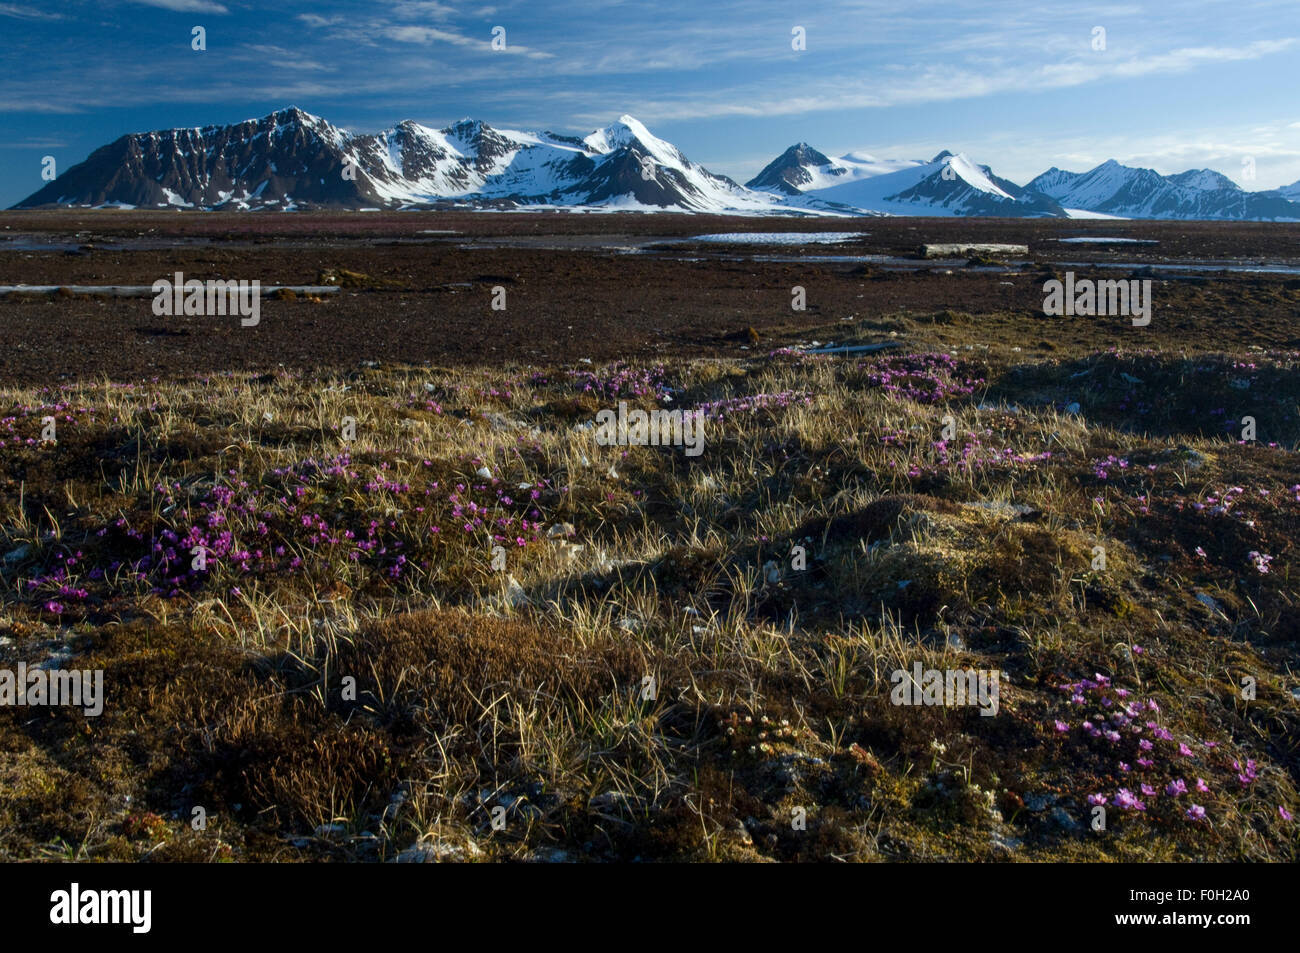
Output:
(1115, 189)
(802, 168)
(949, 184)
(292, 159)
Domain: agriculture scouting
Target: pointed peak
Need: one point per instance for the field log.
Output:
(293, 114)
(803, 153)
(467, 127)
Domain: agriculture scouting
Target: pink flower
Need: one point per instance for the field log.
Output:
(1128, 801)
(1096, 799)
(1283, 813)
(1201, 785)
(1175, 788)
(1062, 726)
(1183, 750)
(1260, 560)
(1145, 762)
(1196, 812)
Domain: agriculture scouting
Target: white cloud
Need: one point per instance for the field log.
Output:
(186, 6)
(27, 13)
(279, 56)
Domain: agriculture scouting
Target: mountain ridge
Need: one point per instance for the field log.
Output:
(291, 159)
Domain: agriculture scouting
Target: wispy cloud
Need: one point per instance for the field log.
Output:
(936, 84)
(278, 56)
(186, 6)
(27, 13)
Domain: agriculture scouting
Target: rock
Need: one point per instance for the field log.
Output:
(559, 530)
(967, 250)
(1209, 602)
(438, 852)
(549, 855)
(1039, 802)
(15, 555)
(483, 473)
(1060, 817)
(1004, 509)
(515, 594)
(502, 422)
(1004, 844)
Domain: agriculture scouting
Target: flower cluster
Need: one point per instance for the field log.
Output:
(730, 407)
(922, 378)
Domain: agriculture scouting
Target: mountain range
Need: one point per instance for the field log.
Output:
(294, 160)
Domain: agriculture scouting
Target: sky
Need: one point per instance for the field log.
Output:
(1021, 85)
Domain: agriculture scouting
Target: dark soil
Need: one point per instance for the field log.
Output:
(428, 298)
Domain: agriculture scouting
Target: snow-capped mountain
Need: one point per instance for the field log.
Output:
(292, 159)
(801, 168)
(1115, 189)
(949, 184)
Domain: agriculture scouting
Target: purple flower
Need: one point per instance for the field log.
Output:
(1175, 788)
(1126, 800)
(1196, 812)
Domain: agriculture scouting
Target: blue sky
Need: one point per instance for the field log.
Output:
(1018, 85)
